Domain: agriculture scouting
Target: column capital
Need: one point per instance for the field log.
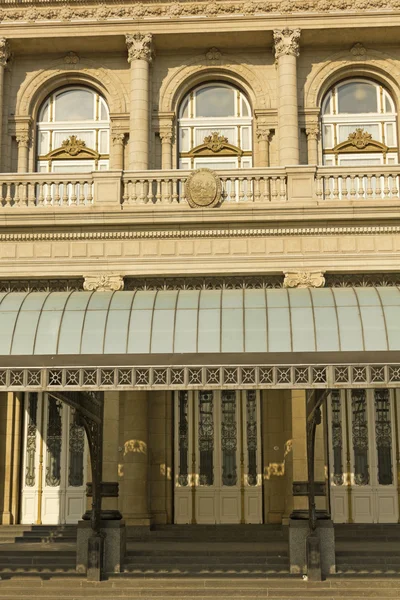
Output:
(117, 138)
(286, 42)
(166, 135)
(23, 139)
(140, 46)
(263, 133)
(312, 132)
(4, 51)
(103, 283)
(304, 279)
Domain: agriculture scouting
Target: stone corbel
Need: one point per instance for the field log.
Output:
(304, 279)
(103, 283)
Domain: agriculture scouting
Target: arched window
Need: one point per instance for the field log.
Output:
(73, 132)
(359, 125)
(215, 128)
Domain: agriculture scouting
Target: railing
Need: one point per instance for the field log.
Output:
(238, 186)
(38, 189)
(357, 183)
(113, 190)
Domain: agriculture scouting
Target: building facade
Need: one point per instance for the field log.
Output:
(199, 219)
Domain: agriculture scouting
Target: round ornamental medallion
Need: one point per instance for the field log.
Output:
(203, 189)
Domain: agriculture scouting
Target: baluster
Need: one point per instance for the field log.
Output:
(17, 195)
(224, 192)
(125, 195)
(274, 192)
(232, 189)
(82, 199)
(335, 192)
(353, 191)
(369, 187)
(158, 192)
(56, 198)
(41, 194)
(150, 191)
(257, 191)
(72, 187)
(142, 193)
(282, 189)
(386, 190)
(183, 198)
(65, 199)
(89, 193)
(395, 189)
(241, 190)
(345, 192)
(175, 194)
(3, 195)
(169, 188)
(266, 196)
(378, 189)
(31, 194)
(24, 198)
(318, 187)
(8, 197)
(361, 187)
(134, 187)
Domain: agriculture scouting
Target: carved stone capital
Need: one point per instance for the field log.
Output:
(117, 138)
(103, 283)
(166, 135)
(4, 51)
(312, 132)
(140, 46)
(286, 42)
(304, 279)
(23, 139)
(263, 133)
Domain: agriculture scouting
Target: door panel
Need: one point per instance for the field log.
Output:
(217, 457)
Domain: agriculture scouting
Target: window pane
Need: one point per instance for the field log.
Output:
(53, 442)
(184, 141)
(103, 142)
(337, 438)
(103, 111)
(76, 451)
(206, 438)
(390, 134)
(383, 433)
(246, 145)
(74, 105)
(360, 436)
(183, 436)
(327, 136)
(43, 142)
(89, 137)
(251, 431)
(32, 415)
(388, 103)
(185, 108)
(357, 97)
(245, 108)
(44, 113)
(215, 102)
(229, 438)
(373, 128)
(201, 132)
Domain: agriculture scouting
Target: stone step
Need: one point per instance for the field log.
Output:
(232, 560)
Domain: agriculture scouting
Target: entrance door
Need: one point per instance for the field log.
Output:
(363, 470)
(54, 463)
(218, 457)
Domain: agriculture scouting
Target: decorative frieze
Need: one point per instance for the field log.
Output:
(103, 283)
(304, 279)
(286, 42)
(41, 285)
(137, 11)
(140, 46)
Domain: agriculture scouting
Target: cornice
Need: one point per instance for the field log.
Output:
(59, 10)
(200, 233)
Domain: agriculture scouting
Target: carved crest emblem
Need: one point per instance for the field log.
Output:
(73, 145)
(215, 142)
(203, 189)
(360, 138)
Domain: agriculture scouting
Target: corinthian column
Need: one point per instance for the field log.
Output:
(286, 48)
(140, 52)
(4, 56)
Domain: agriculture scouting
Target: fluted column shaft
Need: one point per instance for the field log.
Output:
(286, 53)
(140, 52)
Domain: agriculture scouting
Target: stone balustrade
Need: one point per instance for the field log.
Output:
(263, 187)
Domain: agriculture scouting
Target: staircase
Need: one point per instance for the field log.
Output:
(368, 550)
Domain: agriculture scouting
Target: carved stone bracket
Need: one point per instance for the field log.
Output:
(286, 42)
(304, 279)
(103, 283)
(140, 46)
(4, 51)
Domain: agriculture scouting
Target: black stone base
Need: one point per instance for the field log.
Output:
(106, 515)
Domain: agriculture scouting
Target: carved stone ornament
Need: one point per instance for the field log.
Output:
(71, 58)
(203, 189)
(286, 42)
(4, 51)
(103, 283)
(73, 145)
(215, 142)
(140, 46)
(360, 138)
(304, 279)
(312, 132)
(358, 50)
(23, 140)
(213, 54)
(263, 133)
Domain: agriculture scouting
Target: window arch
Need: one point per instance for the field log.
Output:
(73, 132)
(359, 124)
(215, 128)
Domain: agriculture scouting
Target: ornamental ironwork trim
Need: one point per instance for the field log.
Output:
(197, 377)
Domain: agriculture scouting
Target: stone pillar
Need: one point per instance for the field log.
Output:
(110, 445)
(135, 504)
(263, 145)
(140, 52)
(286, 46)
(161, 455)
(23, 141)
(4, 56)
(10, 448)
(117, 151)
(312, 133)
